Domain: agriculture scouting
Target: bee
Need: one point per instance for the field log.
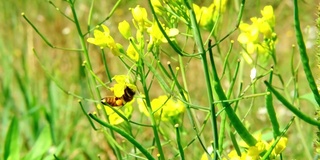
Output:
(119, 101)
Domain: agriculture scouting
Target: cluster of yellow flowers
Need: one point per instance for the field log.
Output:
(207, 16)
(143, 25)
(164, 108)
(260, 29)
(257, 37)
(254, 152)
(134, 51)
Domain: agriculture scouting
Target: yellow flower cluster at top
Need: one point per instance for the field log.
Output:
(143, 25)
(261, 29)
(164, 108)
(207, 16)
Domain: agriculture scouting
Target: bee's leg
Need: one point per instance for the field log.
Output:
(119, 101)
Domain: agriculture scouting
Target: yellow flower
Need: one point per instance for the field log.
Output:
(103, 39)
(156, 35)
(114, 118)
(233, 155)
(281, 145)
(256, 135)
(163, 107)
(139, 15)
(263, 26)
(122, 81)
(204, 16)
(132, 53)
(265, 29)
(268, 15)
(249, 33)
(157, 6)
(124, 28)
(259, 36)
(254, 151)
(220, 7)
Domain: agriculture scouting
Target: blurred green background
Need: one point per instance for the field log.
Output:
(41, 108)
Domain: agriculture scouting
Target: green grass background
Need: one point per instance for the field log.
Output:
(42, 110)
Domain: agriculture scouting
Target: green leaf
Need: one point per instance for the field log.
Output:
(41, 145)
(12, 149)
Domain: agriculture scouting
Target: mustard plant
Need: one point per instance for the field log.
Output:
(150, 104)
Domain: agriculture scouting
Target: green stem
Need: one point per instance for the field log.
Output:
(201, 50)
(303, 54)
(173, 44)
(189, 111)
(234, 119)
(59, 10)
(125, 135)
(44, 39)
(91, 79)
(271, 112)
(226, 64)
(292, 108)
(103, 56)
(57, 82)
(153, 121)
(266, 155)
(223, 114)
(143, 76)
(237, 25)
(39, 33)
(179, 142)
(85, 113)
(82, 41)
